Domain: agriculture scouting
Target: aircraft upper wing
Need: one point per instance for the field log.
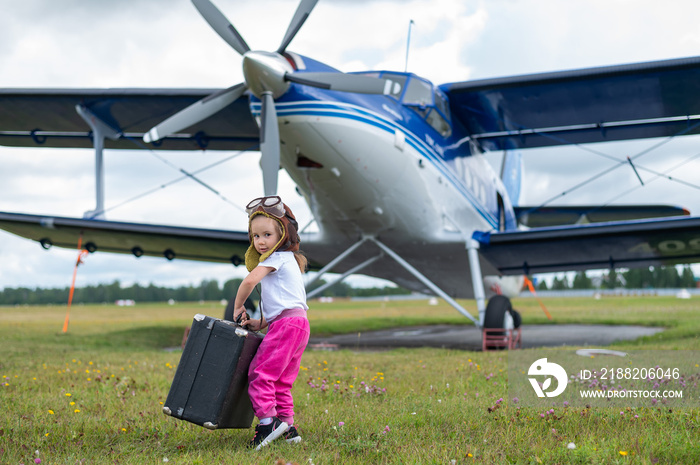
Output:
(130, 238)
(48, 118)
(620, 244)
(653, 99)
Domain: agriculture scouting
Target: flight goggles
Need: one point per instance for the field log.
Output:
(271, 204)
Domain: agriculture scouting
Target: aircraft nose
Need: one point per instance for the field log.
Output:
(265, 72)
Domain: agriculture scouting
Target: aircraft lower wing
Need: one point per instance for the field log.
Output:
(130, 238)
(593, 246)
(655, 99)
(540, 250)
(557, 215)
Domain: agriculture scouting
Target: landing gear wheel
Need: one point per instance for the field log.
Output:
(496, 311)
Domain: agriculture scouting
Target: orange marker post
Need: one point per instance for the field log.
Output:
(532, 289)
(81, 253)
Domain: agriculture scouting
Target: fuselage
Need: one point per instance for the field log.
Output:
(390, 166)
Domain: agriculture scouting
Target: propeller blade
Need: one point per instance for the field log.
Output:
(303, 12)
(269, 144)
(346, 82)
(198, 111)
(221, 25)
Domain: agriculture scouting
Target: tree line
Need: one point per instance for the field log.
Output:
(209, 290)
(633, 278)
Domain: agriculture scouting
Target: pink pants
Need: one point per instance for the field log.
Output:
(275, 368)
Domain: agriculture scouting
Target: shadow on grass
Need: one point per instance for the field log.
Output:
(143, 338)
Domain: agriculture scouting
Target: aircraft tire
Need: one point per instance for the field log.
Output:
(517, 319)
(496, 311)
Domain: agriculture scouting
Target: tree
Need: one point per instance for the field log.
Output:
(687, 278)
(231, 288)
(560, 284)
(638, 278)
(582, 281)
(209, 290)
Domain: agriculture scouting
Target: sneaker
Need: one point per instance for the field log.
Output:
(265, 434)
(292, 436)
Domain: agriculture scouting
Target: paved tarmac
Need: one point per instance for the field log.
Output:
(469, 337)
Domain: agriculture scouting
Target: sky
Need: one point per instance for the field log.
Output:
(165, 43)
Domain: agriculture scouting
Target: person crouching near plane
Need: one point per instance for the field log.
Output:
(273, 260)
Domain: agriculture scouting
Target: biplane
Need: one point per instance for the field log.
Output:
(391, 165)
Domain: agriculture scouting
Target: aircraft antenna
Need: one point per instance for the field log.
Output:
(408, 44)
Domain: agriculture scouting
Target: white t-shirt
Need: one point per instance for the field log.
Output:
(283, 288)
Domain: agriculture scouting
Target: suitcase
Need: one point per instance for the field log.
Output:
(210, 387)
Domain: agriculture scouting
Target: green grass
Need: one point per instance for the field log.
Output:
(94, 395)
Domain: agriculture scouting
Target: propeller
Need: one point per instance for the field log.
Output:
(198, 111)
(221, 25)
(303, 12)
(345, 82)
(267, 76)
(269, 144)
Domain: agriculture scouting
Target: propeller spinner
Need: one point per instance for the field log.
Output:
(268, 76)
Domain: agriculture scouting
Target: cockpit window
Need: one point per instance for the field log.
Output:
(436, 120)
(399, 79)
(421, 96)
(430, 103)
(440, 120)
(441, 103)
(418, 92)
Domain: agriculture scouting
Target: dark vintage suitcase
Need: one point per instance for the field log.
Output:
(210, 387)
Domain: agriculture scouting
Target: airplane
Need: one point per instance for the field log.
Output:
(391, 165)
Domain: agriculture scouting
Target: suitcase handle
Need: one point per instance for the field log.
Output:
(241, 331)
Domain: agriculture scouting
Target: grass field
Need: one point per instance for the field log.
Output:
(94, 395)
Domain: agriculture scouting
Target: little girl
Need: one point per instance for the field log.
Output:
(273, 260)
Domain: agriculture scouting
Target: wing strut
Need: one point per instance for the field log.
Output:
(100, 130)
(408, 267)
(352, 270)
(477, 281)
(335, 261)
